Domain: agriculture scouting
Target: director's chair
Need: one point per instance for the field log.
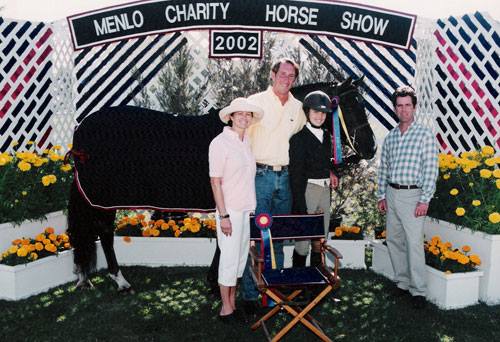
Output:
(274, 283)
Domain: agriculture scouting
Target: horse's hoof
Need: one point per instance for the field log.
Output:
(84, 285)
(127, 290)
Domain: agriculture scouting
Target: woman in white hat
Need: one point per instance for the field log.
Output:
(232, 176)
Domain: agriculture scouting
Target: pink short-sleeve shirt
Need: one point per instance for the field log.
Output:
(232, 160)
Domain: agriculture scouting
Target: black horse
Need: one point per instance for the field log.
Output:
(129, 157)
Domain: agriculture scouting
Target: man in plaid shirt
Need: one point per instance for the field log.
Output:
(407, 181)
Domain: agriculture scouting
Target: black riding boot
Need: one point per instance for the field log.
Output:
(298, 260)
(315, 258)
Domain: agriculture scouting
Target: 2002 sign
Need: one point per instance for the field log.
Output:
(224, 43)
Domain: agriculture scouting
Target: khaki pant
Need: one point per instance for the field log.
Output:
(405, 240)
(317, 199)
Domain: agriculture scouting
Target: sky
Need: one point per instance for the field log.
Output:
(52, 10)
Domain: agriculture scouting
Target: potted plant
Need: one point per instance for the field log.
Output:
(465, 211)
(33, 265)
(142, 241)
(452, 274)
(34, 186)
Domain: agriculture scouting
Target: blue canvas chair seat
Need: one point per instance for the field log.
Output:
(274, 283)
(287, 277)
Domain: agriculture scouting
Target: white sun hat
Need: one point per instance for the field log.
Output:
(241, 104)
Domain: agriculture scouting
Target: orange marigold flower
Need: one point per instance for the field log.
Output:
(127, 239)
(475, 259)
(466, 248)
(177, 233)
(146, 232)
(49, 230)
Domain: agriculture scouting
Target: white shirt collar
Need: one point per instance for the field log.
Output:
(318, 132)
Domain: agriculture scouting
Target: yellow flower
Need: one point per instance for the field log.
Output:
(497, 182)
(146, 232)
(485, 173)
(460, 211)
(33, 256)
(164, 226)
(39, 246)
(46, 181)
(24, 166)
(490, 162)
(466, 169)
(476, 203)
(494, 217)
(24, 193)
(155, 232)
(56, 147)
(195, 228)
(66, 167)
(22, 252)
(454, 192)
(177, 233)
(463, 259)
(13, 249)
(496, 173)
(446, 176)
(487, 151)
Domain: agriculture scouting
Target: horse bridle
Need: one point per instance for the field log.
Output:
(356, 128)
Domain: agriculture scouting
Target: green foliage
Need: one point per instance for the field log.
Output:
(468, 190)
(174, 92)
(23, 194)
(232, 78)
(355, 198)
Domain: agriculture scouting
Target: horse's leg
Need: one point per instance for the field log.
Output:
(82, 238)
(106, 234)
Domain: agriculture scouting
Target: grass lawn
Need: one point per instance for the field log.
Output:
(173, 304)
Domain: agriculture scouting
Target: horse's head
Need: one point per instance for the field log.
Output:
(356, 120)
(353, 108)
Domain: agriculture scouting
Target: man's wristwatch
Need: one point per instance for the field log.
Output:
(223, 216)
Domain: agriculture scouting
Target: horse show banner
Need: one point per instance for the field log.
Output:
(345, 20)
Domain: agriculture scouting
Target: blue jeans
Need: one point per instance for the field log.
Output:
(273, 196)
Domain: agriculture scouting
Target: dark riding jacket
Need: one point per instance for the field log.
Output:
(309, 159)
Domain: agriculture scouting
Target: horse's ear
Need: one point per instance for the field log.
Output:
(358, 81)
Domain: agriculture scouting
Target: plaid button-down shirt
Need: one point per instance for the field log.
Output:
(409, 159)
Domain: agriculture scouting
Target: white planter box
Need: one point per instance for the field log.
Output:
(452, 291)
(28, 229)
(381, 261)
(22, 281)
(353, 253)
(485, 245)
(157, 251)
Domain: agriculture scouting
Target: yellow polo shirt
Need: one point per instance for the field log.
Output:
(270, 136)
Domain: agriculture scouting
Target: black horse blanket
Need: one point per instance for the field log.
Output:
(131, 157)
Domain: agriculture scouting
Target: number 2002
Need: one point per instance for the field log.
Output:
(238, 43)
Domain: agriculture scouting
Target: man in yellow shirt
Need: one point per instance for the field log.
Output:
(283, 117)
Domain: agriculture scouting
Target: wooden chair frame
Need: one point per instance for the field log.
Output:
(286, 302)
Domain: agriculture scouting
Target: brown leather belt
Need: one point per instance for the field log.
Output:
(403, 187)
(275, 168)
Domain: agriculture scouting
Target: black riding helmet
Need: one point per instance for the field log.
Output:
(317, 100)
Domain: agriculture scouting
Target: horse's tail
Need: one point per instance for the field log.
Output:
(81, 218)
